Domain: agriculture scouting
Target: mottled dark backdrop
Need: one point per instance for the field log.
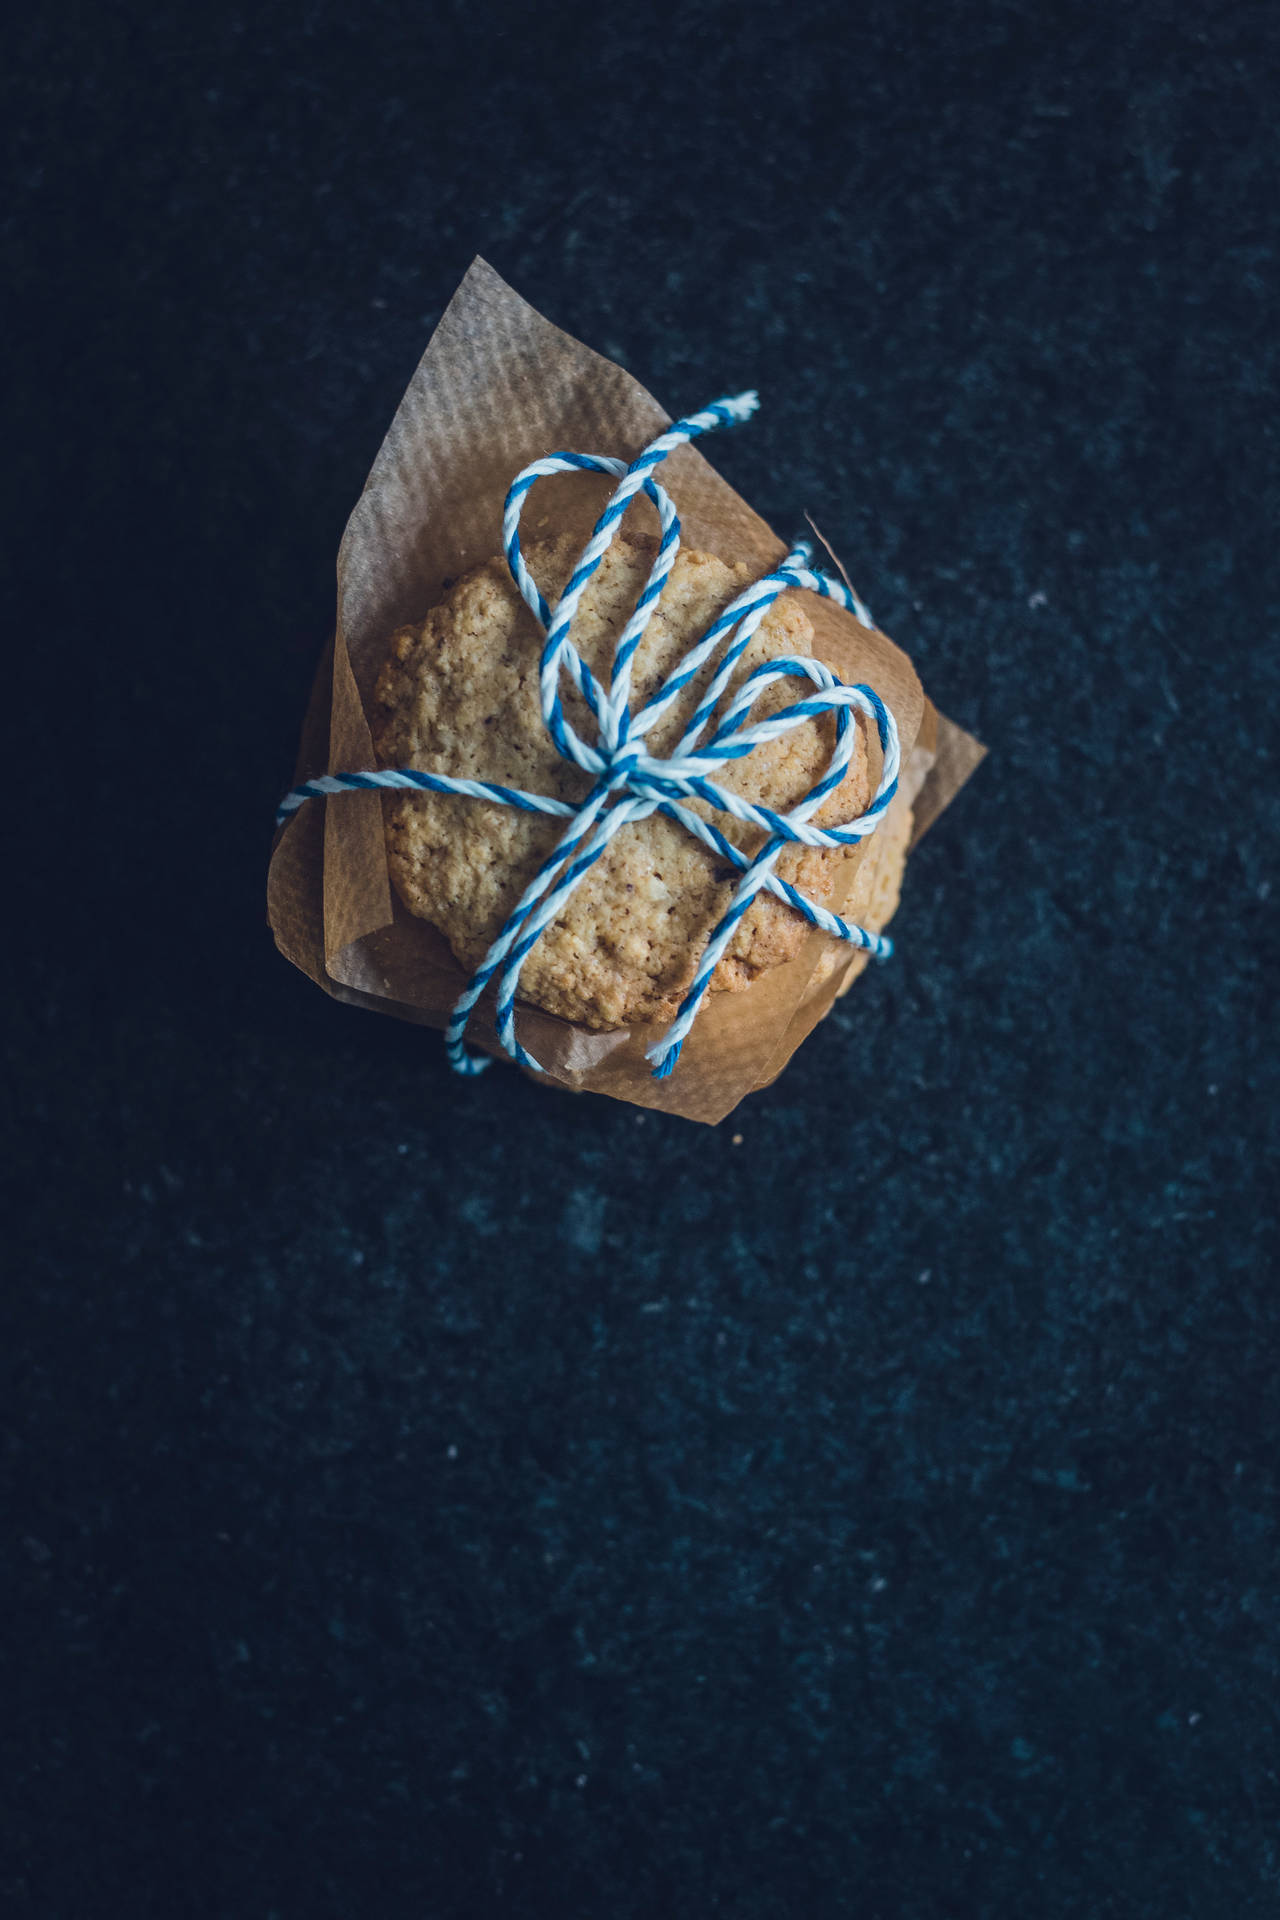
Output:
(443, 1500)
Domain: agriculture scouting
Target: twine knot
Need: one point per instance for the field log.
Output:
(628, 782)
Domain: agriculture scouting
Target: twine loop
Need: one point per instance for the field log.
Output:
(629, 783)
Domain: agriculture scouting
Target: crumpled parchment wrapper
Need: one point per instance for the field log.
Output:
(497, 387)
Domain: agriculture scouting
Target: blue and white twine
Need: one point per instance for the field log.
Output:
(629, 784)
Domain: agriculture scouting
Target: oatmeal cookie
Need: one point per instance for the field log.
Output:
(459, 695)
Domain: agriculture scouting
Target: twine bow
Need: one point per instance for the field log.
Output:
(630, 783)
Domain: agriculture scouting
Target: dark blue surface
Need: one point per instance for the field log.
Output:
(452, 1499)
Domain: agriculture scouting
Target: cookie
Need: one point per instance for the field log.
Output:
(458, 694)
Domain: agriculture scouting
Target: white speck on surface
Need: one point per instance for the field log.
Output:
(1038, 600)
(584, 1219)
(451, 1452)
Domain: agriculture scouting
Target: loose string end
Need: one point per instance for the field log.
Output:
(664, 1058)
(469, 1065)
(741, 406)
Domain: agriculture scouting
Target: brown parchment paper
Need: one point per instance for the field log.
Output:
(499, 386)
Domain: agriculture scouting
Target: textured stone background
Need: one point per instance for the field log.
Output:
(452, 1500)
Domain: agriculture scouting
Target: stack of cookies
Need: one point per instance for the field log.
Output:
(458, 695)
